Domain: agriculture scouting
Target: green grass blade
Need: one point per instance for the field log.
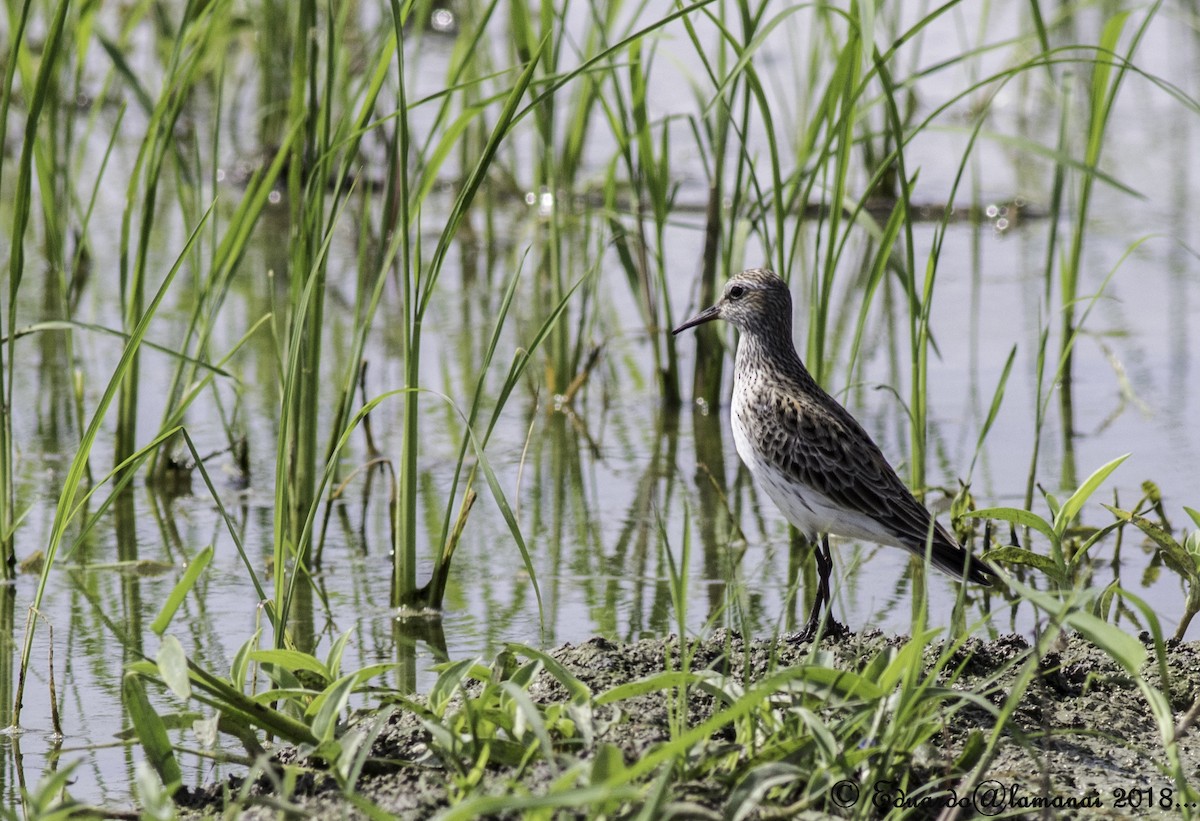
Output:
(178, 593)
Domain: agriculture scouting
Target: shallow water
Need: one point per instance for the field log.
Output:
(610, 492)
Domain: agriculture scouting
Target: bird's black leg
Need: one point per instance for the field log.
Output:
(822, 599)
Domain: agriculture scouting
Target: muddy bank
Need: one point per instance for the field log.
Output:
(1082, 738)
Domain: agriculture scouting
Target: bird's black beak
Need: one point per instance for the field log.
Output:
(707, 315)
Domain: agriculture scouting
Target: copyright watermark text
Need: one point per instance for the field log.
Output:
(993, 797)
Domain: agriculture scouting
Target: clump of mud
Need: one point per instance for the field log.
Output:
(1083, 735)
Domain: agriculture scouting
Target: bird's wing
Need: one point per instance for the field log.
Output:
(818, 443)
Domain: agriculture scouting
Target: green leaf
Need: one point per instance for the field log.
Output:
(180, 720)
(450, 678)
(1019, 555)
(329, 705)
(151, 731)
(71, 498)
(655, 800)
(842, 683)
(72, 325)
(821, 735)
(994, 408)
(972, 752)
(1080, 556)
(608, 764)
(1173, 553)
(334, 662)
(518, 805)
(206, 730)
(533, 719)
(1195, 514)
(1073, 504)
(178, 593)
(241, 660)
(173, 667)
(649, 684)
(1018, 517)
(554, 667)
(1192, 544)
(354, 753)
(292, 661)
(1053, 504)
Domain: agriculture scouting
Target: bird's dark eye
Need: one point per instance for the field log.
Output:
(737, 292)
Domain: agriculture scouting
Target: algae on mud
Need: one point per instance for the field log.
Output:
(1081, 741)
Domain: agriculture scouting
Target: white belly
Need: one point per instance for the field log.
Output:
(809, 510)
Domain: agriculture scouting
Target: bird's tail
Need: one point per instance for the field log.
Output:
(947, 555)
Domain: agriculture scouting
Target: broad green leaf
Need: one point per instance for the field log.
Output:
(1018, 517)
(533, 718)
(175, 720)
(1080, 555)
(1102, 93)
(1076, 501)
(608, 764)
(654, 804)
(524, 674)
(518, 805)
(292, 661)
(173, 667)
(1019, 555)
(1173, 553)
(450, 678)
(972, 751)
(843, 683)
(154, 797)
(151, 731)
(1194, 514)
(354, 754)
(143, 667)
(328, 707)
(302, 696)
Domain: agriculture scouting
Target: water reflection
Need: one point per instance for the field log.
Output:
(715, 524)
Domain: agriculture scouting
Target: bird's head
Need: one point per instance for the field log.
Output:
(756, 301)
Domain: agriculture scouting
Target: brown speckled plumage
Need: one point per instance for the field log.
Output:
(809, 454)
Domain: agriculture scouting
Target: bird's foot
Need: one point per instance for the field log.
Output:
(814, 629)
